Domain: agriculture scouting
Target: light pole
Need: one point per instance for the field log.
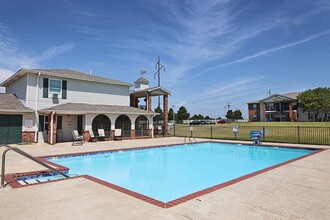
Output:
(173, 114)
(173, 121)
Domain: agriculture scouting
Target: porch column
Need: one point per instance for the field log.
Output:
(290, 112)
(134, 101)
(50, 125)
(149, 103)
(165, 107)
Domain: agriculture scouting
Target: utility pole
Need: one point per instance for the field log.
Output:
(228, 104)
(159, 67)
(269, 93)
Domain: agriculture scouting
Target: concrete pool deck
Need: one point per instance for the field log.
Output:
(299, 190)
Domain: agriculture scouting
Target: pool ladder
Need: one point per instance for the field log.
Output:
(189, 139)
(29, 156)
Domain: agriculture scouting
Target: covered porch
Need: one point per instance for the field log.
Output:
(147, 95)
(62, 119)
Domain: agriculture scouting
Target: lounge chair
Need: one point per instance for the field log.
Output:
(77, 139)
(101, 133)
(92, 136)
(118, 135)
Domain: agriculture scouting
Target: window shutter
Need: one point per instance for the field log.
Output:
(64, 89)
(45, 88)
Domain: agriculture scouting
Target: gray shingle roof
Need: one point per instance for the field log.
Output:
(152, 91)
(290, 95)
(10, 103)
(90, 108)
(65, 73)
(142, 80)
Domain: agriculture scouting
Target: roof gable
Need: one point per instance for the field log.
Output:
(278, 97)
(142, 80)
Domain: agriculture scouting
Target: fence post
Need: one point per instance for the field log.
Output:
(211, 132)
(298, 134)
(263, 133)
(174, 131)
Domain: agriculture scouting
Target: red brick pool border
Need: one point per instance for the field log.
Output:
(11, 178)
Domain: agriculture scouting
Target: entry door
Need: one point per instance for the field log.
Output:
(10, 129)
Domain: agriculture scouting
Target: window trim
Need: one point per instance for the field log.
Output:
(49, 86)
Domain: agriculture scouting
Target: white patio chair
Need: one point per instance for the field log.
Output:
(77, 139)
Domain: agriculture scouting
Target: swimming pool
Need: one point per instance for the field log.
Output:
(168, 173)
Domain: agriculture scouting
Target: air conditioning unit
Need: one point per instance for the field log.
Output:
(55, 96)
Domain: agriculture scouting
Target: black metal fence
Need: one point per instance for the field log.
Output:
(281, 134)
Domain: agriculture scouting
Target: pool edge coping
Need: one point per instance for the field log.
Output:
(11, 178)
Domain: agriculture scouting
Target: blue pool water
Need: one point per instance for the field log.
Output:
(168, 173)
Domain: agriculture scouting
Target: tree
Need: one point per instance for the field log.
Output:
(238, 114)
(182, 114)
(197, 117)
(234, 115)
(170, 114)
(194, 117)
(160, 116)
(315, 100)
(230, 115)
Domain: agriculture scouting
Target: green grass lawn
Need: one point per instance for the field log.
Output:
(285, 124)
(285, 132)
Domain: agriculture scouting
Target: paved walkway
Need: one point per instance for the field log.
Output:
(299, 190)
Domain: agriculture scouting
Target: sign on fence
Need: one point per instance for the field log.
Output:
(235, 130)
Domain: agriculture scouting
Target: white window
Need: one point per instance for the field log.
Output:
(255, 117)
(254, 106)
(270, 107)
(55, 86)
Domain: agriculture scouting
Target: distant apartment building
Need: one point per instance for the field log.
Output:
(279, 107)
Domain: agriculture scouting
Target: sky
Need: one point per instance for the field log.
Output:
(214, 51)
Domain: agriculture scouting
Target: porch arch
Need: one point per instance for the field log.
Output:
(102, 122)
(141, 126)
(123, 122)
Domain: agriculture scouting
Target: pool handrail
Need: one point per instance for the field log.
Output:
(29, 156)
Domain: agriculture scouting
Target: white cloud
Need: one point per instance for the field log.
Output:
(272, 50)
(12, 58)
(4, 74)
(53, 52)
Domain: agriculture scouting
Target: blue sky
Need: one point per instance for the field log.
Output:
(214, 51)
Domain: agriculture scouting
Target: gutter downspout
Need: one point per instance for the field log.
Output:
(36, 125)
(52, 127)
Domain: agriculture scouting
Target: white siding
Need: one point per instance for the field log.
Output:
(31, 90)
(79, 91)
(97, 93)
(18, 88)
(69, 123)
